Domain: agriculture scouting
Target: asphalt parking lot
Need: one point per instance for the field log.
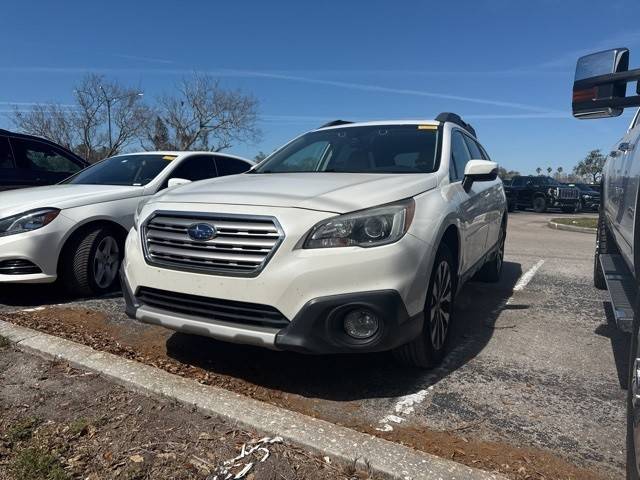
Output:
(536, 366)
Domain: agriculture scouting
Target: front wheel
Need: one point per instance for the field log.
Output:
(92, 260)
(603, 246)
(539, 205)
(429, 348)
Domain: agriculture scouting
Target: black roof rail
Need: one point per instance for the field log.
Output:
(335, 123)
(457, 119)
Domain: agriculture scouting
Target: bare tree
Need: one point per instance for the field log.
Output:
(205, 116)
(106, 118)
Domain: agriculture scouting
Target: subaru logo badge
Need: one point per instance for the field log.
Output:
(201, 232)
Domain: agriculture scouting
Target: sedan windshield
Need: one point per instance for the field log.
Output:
(131, 170)
(369, 149)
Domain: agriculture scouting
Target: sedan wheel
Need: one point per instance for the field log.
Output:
(106, 262)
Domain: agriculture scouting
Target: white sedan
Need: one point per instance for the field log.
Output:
(75, 230)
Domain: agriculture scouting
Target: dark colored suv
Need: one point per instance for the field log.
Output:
(28, 161)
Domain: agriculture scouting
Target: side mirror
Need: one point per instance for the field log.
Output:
(479, 171)
(175, 182)
(600, 84)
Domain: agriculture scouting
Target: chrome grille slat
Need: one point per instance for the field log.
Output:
(242, 244)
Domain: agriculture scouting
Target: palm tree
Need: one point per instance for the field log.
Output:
(549, 170)
(539, 170)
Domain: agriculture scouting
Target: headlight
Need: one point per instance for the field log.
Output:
(587, 197)
(28, 221)
(367, 228)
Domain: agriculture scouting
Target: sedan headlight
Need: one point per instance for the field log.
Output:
(136, 216)
(367, 228)
(27, 221)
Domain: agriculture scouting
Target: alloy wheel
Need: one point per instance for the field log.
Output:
(441, 296)
(106, 262)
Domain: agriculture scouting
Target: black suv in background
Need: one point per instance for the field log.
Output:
(589, 197)
(28, 161)
(541, 193)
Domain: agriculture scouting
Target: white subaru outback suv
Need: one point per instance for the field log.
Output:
(354, 237)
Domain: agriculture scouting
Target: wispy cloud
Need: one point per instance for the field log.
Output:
(363, 87)
(138, 58)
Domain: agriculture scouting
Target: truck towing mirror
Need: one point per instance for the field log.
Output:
(600, 84)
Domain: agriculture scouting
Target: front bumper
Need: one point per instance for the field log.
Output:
(316, 329)
(41, 248)
(311, 289)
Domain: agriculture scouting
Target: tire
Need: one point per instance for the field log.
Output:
(632, 470)
(83, 257)
(579, 207)
(492, 270)
(539, 204)
(430, 347)
(604, 245)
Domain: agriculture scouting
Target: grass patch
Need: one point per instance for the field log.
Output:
(38, 464)
(79, 426)
(586, 222)
(23, 430)
(4, 342)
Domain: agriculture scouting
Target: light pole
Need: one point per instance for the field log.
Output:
(109, 101)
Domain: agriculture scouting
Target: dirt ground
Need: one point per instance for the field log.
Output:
(59, 423)
(94, 329)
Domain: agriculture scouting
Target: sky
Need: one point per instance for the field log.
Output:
(506, 66)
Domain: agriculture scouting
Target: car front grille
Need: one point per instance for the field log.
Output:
(241, 245)
(213, 309)
(18, 267)
(568, 193)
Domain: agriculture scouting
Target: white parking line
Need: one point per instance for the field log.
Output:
(405, 405)
(527, 276)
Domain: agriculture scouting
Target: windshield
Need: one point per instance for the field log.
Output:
(132, 170)
(370, 149)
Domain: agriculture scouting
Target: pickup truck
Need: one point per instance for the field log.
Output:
(540, 193)
(600, 90)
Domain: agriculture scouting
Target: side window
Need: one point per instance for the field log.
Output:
(517, 182)
(459, 156)
(476, 154)
(231, 166)
(6, 156)
(41, 157)
(197, 167)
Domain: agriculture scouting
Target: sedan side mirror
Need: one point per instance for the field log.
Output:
(175, 182)
(479, 171)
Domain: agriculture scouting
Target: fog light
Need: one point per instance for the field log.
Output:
(361, 324)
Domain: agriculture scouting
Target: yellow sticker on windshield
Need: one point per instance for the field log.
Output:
(427, 127)
(168, 158)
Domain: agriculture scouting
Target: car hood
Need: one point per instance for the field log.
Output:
(323, 191)
(64, 196)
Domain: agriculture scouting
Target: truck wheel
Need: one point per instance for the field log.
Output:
(633, 389)
(579, 207)
(604, 245)
(429, 348)
(491, 270)
(539, 205)
(91, 262)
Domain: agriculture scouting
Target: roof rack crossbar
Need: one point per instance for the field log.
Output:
(457, 119)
